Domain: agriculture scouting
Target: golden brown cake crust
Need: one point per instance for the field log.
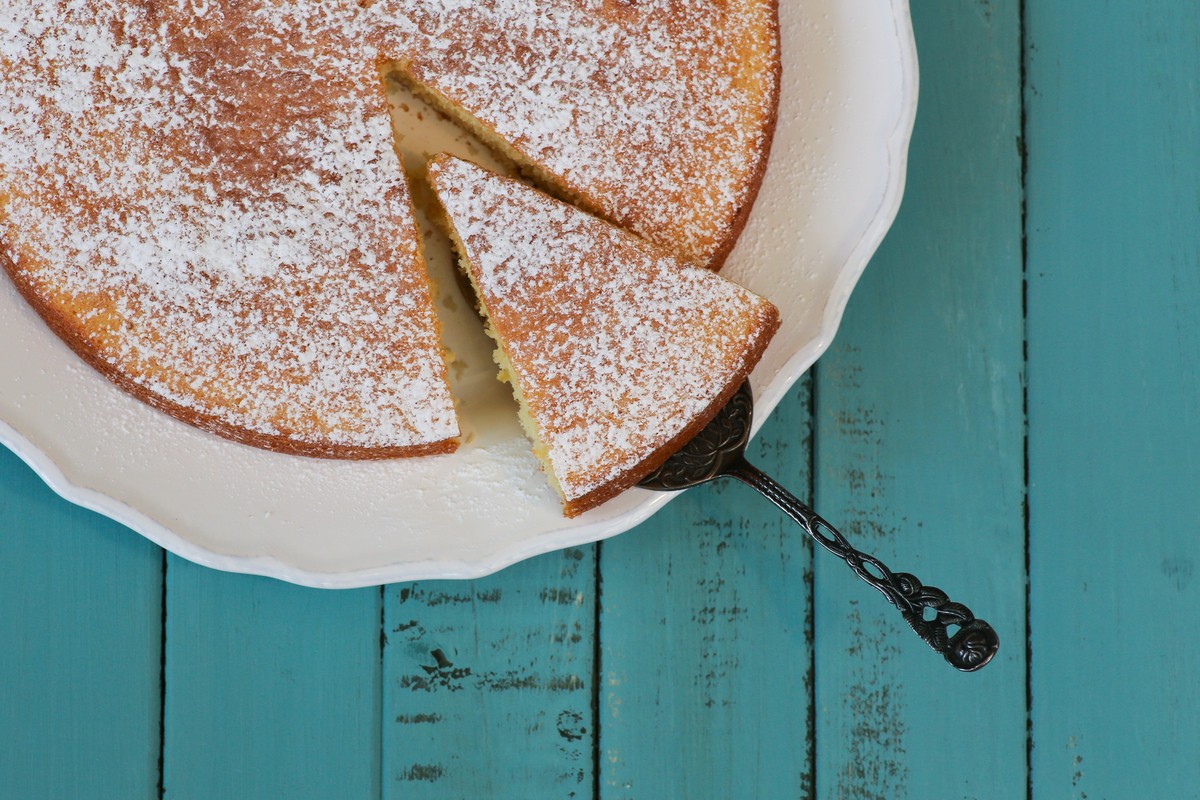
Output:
(618, 351)
(754, 183)
(208, 209)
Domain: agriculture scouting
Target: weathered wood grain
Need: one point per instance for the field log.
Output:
(272, 690)
(919, 442)
(1113, 99)
(79, 648)
(488, 684)
(706, 658)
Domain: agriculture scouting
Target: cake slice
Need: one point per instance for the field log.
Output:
(617, 352)
(657, 116)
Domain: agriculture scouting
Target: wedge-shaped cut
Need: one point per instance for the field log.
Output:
(617, 351)
(657, 115)
(203, 201)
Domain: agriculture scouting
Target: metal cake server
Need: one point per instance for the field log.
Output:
(719, 451)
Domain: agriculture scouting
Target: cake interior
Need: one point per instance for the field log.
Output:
(420, 130)
(498, 145)
(506, 373)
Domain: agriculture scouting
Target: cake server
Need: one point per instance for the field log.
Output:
(950, 628)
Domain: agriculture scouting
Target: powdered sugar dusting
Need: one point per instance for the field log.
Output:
(618, 348)
(211, 189)
(655, 113)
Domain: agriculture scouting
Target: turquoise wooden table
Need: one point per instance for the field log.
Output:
(1011, 411)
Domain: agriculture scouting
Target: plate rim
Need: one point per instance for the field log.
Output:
(791, 371)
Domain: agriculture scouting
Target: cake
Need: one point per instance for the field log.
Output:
(617, 351)
(204, 202)
(202, 199)
(656, 115)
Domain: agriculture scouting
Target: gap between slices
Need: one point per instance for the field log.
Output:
(617, 352)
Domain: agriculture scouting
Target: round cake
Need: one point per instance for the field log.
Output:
(202, 198)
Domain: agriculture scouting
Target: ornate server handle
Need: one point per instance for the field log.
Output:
(969, 649)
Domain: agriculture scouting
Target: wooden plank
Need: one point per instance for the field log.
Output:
(488, 684)
(705, 626)
(80, 628)
(1114, 396)
(272, 690)
(919, 432)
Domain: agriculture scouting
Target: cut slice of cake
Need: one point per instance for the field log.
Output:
(617, 352)
(657, 116)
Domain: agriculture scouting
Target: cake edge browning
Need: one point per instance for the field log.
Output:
(768, 326)
(210, 423)
(754, 185)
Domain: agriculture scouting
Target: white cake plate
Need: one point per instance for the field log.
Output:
(832, 189)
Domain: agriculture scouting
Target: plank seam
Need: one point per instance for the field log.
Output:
(597, 676)
(161, 788)
(810, 624)
(1023, 152)
(379, 688)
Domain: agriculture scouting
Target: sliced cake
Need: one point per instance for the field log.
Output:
(617, 351)
(203, 201)
(657, 115)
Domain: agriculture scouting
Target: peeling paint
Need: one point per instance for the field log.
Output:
(493, 683)
(570, 725)
(1076, 768)
(874, 767)
(563, 596)
(1179, 571)
(422, 772)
